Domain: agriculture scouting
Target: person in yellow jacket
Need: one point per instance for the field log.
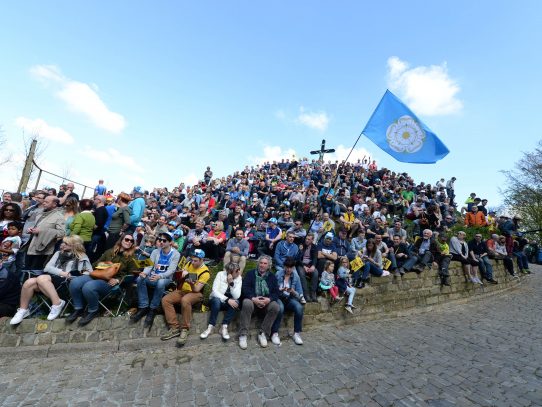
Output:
(195, 276)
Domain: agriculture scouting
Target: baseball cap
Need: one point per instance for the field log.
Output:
(172, 223)
(177, 232)
(198, 253)
(273, 220)
(167, 236)
(251, 220)
(329, 235)
(138, 190)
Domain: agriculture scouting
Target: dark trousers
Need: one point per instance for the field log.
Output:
(7, 310)
(35, 261)
(310, 291)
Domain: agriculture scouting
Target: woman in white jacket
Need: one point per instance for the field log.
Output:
(70, 261)
(224, 297)
(459, 249)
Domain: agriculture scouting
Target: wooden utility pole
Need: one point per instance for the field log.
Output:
(27, 170)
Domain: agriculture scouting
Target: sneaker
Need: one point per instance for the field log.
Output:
(263, 340)
(348, 308)
(183, 337)
(303, 300)
(243, 341)
(224, 333)
(478, 281)
(56, 310)
(275, 338)
(172, 333)
(339, 299)
(19, 316)
(207, 332)
(297, 339)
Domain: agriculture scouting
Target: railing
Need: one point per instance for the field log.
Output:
(39, 178)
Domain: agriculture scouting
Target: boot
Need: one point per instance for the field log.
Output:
(149, 319)
(141, 312)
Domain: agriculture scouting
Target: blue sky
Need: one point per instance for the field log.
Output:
(150, 93)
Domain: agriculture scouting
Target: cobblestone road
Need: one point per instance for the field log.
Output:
(486, 353)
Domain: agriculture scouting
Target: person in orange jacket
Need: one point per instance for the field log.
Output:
(475, 217)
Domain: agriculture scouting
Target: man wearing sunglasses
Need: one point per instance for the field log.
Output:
(158, 276)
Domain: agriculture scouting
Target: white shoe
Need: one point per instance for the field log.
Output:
(56, 310)
(19, 316)
(297, 339)
(275, 338)
(348, 308)
(207, 332)
(224, 332)
(262, 339)
(303, 300)
(243, 341)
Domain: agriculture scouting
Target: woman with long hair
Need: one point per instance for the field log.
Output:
(71, 208)
(372, 259)
(69, 262)
(9, 212)
(87, 291)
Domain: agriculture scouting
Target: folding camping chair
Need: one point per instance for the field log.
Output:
(119, 291)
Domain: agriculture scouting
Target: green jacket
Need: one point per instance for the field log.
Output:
(83, 225)
(127, 264)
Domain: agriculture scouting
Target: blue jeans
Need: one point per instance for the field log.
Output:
(85, 289)
(486, 268)
(523, 264)
(216, 306)
(289, 305)
(372, 269)
(351, 291)
(143, 293)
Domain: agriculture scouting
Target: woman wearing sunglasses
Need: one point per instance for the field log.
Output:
(87, 291)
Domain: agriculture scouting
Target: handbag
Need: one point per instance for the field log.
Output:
(105, 271)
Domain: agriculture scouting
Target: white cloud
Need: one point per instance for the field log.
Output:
(40, 128)
(280, 115)
(427, 90)
(341, 152)
(112, 157)
(273, 153)
(190, 179)
(80, 97)
(314, 120)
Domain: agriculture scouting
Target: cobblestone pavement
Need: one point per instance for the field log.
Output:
(485, 353)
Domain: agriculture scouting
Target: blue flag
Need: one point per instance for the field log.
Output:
(396, 130)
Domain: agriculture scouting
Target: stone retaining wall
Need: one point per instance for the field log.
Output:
(384, 297)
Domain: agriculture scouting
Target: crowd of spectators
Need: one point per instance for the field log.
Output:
(314, 228)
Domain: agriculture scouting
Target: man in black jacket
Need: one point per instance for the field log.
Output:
(260, 293)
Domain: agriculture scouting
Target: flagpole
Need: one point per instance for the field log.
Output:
(332, 183)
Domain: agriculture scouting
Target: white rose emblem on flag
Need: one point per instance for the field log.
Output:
(405, 135)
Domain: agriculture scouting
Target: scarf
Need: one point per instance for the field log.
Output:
(262, 289)
(63, 259)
